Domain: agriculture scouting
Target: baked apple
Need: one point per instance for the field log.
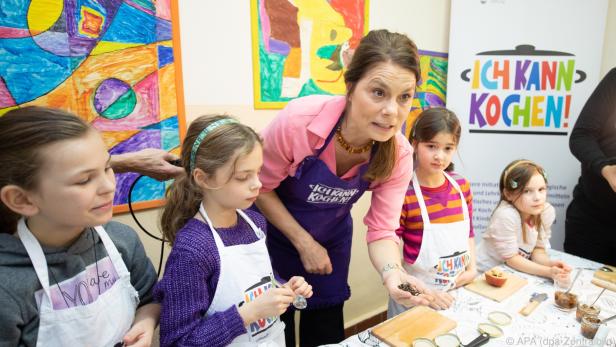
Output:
(496, 277)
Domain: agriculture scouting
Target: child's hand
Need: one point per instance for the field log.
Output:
(139, 335)
(466, 276)
(299, 286)
(442, 300)
(561, 265)
(558, 273)
(146, 320)
(273, 302)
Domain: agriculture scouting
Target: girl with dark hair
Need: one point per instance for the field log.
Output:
(320, 155)
(435, 223)
(71, 277)
(218, 287)
(519, 230)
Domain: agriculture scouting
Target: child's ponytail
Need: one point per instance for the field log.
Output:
(211, 142)
(183, 199)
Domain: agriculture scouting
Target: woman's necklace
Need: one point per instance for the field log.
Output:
(347, 147)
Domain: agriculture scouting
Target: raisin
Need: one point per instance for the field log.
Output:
(407, 287)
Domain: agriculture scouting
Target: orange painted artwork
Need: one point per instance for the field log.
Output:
(432, 87)
(115, 63)
(301, 47)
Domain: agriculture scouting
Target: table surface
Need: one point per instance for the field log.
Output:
(545, 326)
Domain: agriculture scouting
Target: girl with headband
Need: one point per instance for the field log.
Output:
(218, 287)
(520, 227)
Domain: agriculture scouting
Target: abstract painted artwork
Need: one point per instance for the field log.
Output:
(111, 62)
(432, 88)
(301, 47)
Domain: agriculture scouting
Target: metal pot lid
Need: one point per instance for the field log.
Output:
(490, 329)
(421, 342)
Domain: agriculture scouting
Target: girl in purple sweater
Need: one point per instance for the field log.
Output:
(218, 287)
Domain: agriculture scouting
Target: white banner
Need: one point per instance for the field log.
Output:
(519, 73)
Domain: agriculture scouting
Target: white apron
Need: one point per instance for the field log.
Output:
(245, 273)
(488, 258)
(103, 322)
(525, 249)
(443, 254)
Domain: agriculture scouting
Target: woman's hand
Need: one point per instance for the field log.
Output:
(393, 278)
(151, 162)
(609, 173)
(299, 286)
(314, 257)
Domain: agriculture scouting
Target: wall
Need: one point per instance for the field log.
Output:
(217, 64)
(609, 46)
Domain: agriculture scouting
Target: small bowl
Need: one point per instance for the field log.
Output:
(565, 301)
(495, 277)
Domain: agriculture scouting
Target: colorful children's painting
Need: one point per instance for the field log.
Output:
(432, 88)
(301, 47)
(112, 62)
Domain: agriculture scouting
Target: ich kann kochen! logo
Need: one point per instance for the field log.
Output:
(521, 91)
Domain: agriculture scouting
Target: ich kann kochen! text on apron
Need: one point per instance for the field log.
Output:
(320, 202)
(245, 274)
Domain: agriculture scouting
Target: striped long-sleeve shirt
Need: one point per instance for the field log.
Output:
(444, 206)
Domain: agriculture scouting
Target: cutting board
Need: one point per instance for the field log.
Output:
(606, 276)
(481, 287)
(604, 284)
(420, 321)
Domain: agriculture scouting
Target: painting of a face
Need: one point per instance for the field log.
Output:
(303, 47)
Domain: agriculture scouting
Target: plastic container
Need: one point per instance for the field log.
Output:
(586, 310)
(590, 325)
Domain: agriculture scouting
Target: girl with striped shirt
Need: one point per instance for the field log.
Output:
(435, 222)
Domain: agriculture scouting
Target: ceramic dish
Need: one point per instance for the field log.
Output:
(421, 342)
(499, 318)
(490, 329)
(447, 340)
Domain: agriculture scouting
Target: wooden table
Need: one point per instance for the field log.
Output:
(546, 326)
